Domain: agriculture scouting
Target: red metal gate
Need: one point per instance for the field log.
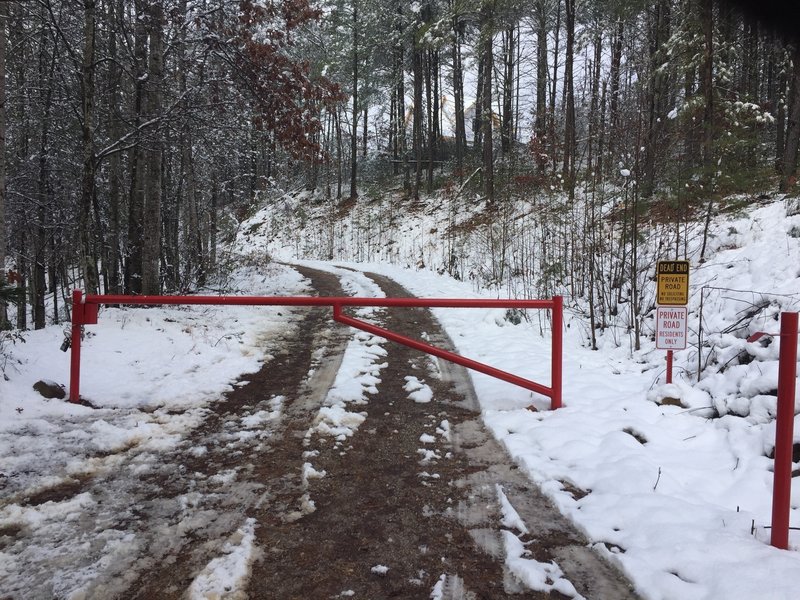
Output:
(85, 310)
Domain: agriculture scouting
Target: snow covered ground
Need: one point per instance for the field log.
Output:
(150, 373)
(679, 496)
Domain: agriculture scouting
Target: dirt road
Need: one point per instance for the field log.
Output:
(408, 504)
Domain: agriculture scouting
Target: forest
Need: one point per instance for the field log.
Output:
(134, 135)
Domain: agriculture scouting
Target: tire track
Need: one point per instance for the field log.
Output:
(411, 506)
(268, 469)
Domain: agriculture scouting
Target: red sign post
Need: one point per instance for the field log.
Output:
(671, 332)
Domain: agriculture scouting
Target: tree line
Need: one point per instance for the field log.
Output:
(131, 129)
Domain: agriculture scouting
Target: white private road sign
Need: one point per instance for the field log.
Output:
(671, 327)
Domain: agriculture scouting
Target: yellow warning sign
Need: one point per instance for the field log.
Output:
(673, 282)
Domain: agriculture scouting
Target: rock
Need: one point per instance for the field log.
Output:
(50, 389)
(670, 402)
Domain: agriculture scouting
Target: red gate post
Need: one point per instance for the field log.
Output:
(75, 347)
(784, 432)
(557, 352)
(669, 366)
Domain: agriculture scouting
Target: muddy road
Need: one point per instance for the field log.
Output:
(285, 491)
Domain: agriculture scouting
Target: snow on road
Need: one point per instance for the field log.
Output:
(223, 577)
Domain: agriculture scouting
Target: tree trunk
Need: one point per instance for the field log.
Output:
(540, 123)
(429, 117)
(417, 130)
(635, 310)
(3, 20)
(88, 258)
(778, 101)
(193, 263)
(364, 130)
(354, 132)
(553, 87)
(401, 102)
(458, 98)
(44, 197)
(601, 136)
(339, 152)
(99, 241)
(393, 145)
(751, 58)
(115, 12)
(692, 146)
(133, 265)
(171, 210)
(22, 120)
(39, 280)
(151, 248)
(614, 75)
(212, 230)
(594, 103)
(789, 171)
(487, 59)
(507, 128)
(53, 277)
(330, 137)
(477, 120)
(707, 84)
(22, 271)
(516, 79)
(655, 99)
(436, 133)
(568, 168)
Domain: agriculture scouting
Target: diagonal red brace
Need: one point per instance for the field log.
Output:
(339, 316)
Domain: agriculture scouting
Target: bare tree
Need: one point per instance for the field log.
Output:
(540, 123)
(485, 91)
(88, 254)
(789, 170)
(416, 135)
(458, 90)
(354, 134)
(570, 146)
(151, 239)
(3, 21)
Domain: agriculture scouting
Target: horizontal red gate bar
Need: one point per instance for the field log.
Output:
(85, 313)
(318, 301)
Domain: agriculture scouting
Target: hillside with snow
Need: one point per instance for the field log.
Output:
(677, 492)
